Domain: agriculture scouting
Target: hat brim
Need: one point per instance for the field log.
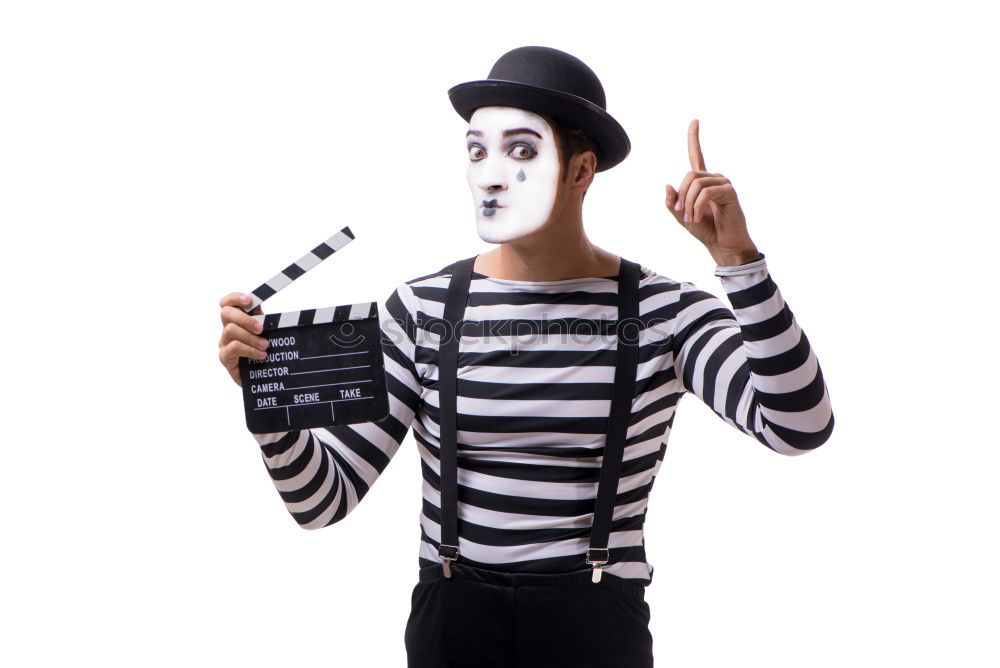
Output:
(567, 108)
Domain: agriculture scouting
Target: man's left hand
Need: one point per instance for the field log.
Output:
(707, 207)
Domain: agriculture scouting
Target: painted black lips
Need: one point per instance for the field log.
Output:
(490, 203)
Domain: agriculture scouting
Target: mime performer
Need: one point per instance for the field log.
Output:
(542, 415)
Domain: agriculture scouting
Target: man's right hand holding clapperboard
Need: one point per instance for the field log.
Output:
(240, 334)
(304, 369)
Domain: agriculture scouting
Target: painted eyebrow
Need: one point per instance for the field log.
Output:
(508, 133)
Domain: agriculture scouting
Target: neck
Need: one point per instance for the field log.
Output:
(556, 251)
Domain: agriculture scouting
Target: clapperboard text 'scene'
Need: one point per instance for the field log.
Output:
(323, 366)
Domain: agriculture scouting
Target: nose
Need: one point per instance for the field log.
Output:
(491, 177)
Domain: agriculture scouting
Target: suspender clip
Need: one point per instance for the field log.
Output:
(593, 557)
(448, 554)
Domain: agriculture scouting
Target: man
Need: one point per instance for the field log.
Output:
(542, 428)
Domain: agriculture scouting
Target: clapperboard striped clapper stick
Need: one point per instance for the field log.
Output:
(323, 366)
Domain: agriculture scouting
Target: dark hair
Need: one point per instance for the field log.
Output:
(571, 141)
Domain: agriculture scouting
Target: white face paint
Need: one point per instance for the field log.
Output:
(514, 179)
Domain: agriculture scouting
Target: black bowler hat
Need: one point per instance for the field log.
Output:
(552, 82)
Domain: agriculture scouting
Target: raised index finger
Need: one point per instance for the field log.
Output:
(694, 148)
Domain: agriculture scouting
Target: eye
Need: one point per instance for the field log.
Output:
(524, 152)
(476, 152)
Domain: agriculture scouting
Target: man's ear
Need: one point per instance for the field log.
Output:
(583, 167)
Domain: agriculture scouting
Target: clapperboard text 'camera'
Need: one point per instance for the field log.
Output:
(323, 366)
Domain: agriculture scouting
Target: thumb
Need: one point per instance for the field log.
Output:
(716, 210)
(245, 301)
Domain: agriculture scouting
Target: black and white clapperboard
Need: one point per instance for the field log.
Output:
(323, 367)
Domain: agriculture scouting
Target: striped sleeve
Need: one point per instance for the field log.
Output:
(322, 474)
(752, 365)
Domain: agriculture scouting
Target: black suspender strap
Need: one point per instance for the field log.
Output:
(454, 311)
(627, 361)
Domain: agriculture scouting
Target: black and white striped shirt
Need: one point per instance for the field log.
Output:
(533, 407)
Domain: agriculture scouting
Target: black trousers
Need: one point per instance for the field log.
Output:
(481, 618)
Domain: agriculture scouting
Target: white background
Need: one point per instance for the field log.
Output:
(157, 155)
